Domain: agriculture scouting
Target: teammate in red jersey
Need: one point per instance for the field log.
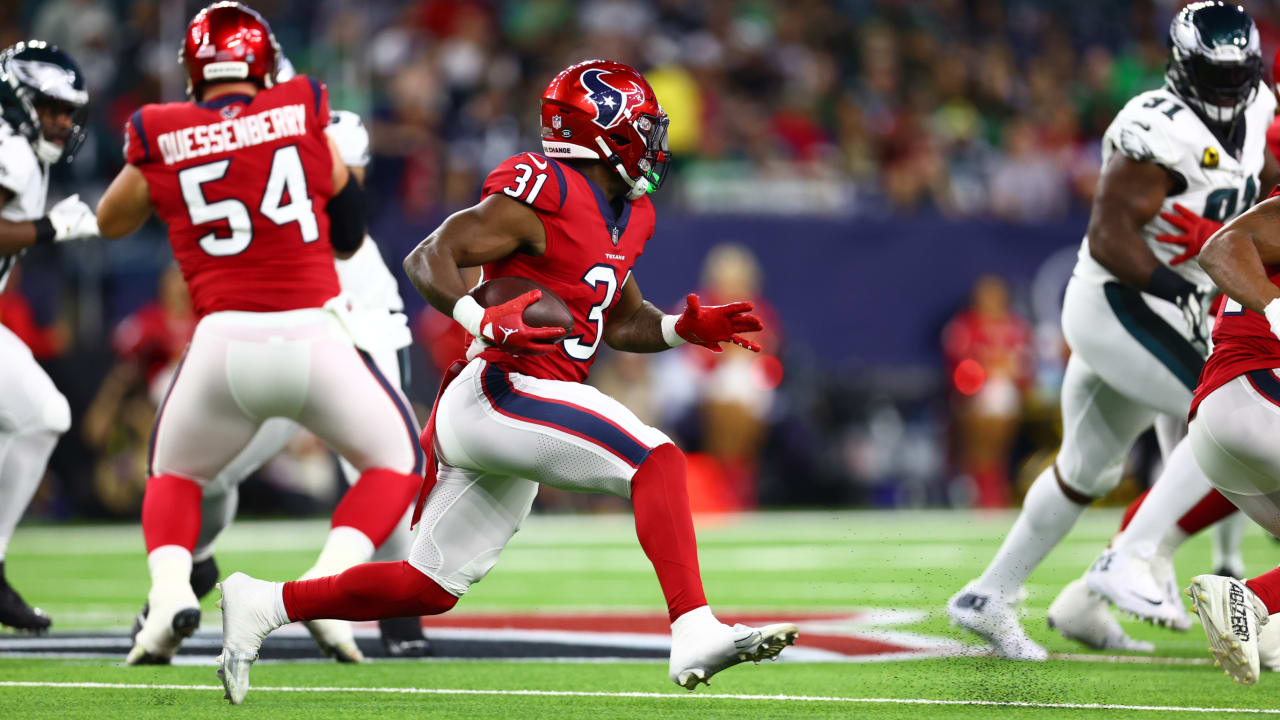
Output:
(257, 201)
(1235, 419)
(575, 219)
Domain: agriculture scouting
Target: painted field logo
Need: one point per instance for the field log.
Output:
(865, 635)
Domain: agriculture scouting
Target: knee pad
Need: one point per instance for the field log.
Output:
(55, 414)
(1087, 477)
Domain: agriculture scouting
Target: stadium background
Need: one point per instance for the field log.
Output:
(903, 186)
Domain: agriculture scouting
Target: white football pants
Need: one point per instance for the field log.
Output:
(1235, 436)
(33, 414)
(498, 436)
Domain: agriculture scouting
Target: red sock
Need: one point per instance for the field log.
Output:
(371, 591)
(1211, 508)
(376, 503)
(1133, 509)
(171, 512)
(1267, 587)
(664, 525)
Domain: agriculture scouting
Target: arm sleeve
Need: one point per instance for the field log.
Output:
(319, 100)
(347, 217)
(1145, 134)
(530, 178)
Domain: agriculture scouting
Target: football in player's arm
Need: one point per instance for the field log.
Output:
(499, 226)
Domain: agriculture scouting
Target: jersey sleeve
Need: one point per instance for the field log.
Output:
(137, 147)
(1148, 134)
(319, 99)
(530, 178)
(350, 135)
(18, 164)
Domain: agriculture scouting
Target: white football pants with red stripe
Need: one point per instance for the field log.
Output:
(498, 436)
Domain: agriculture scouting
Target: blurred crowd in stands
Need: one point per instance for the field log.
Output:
(965, 107)
(971, 110)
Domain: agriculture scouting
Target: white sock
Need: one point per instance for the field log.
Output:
(345, 547)
(170, 567)
(693, 620)
(1047, 516)
(1180, 486)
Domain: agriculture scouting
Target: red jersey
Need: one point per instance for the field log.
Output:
(589, 256)
(242, 182)
(1273, 137)
(1242, 342)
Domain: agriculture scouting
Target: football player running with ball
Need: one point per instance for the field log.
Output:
(575, 219)
(1176, 161)
(258, 201)
(43, 103)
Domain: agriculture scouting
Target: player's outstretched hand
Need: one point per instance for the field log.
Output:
(72, 219)
(710, 325)
(1195, 232)
(503, 326)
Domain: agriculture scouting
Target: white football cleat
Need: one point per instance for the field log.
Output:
(1084, 617)
(995, 620)
(174, 616)
(336, 640)
(249, 614)
(1125, 578)
(1232, 617)
(705, 649)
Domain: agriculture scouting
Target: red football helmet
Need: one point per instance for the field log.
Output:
(604, 110)
(228, 41)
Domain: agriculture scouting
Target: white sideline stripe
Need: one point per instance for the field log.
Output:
(655, 696)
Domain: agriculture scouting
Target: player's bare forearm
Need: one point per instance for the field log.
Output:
(489, 231)
(16, 236)
(126, 204)
(634, 324)
(1129, 195)
(1237, 256)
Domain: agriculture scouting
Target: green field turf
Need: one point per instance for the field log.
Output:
(95, 578)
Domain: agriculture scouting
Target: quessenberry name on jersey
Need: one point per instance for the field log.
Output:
(263, 127)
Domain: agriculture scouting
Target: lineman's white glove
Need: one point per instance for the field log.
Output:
(72, 219)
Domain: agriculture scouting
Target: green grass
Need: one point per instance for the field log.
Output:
(95, 577)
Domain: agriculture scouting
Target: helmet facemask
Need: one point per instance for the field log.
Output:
(652, 166)
(46, 87)
(1219, 91)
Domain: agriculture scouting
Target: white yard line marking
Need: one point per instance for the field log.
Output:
(654, 696)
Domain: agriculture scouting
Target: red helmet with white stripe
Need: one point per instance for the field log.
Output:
(604, 110)
(228, 41)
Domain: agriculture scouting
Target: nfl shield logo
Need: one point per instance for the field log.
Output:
(614, 233)
(556, 121)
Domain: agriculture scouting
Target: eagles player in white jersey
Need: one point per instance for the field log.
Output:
(1135, 319)
(379, 321)
(43, 102)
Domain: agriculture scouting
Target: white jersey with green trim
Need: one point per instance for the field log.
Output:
(1159, 127)
(27, 181)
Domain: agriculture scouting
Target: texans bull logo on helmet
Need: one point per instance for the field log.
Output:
(611, 104)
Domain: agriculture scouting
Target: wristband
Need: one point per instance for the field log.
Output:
(44, 231)
(1167, 284)
(469, 314)
(669, 333)
(1272, 313)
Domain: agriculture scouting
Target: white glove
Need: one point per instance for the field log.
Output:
(72, 219)
(1272, 312)
(1195, 312)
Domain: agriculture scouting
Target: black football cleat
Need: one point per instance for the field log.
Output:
(204, 576)
(16, 613)
(402, 637)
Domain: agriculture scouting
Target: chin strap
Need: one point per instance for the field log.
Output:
(48, 152)
(640, 187)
